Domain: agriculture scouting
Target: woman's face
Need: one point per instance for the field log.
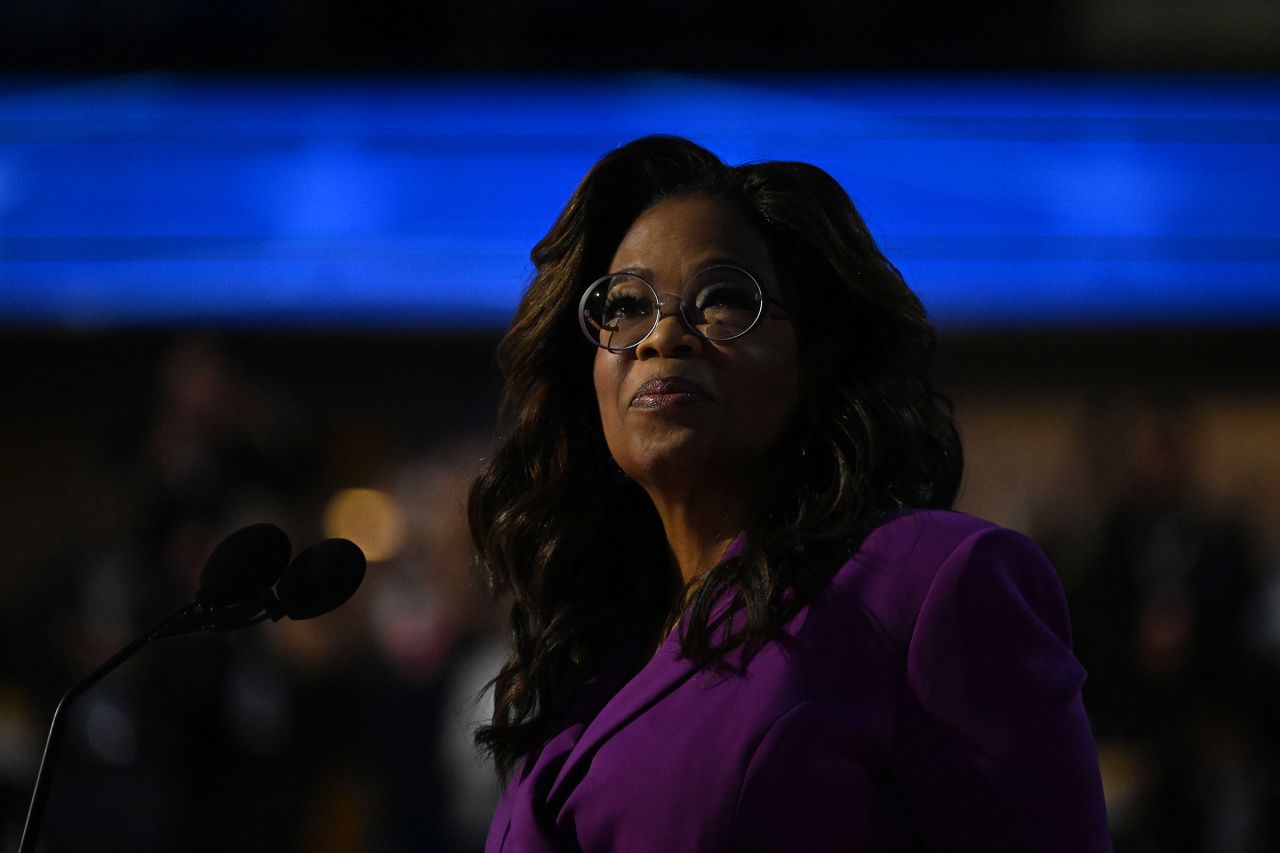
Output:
(678, 409)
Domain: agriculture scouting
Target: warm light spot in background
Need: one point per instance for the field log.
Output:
(369, 518)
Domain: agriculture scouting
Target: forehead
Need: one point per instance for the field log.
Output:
(678, 235)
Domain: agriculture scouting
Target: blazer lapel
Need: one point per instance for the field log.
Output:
(524, 819)
(665, 671)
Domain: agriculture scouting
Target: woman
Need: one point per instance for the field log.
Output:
(743, 616)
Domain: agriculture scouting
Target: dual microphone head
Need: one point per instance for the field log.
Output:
(236, 584)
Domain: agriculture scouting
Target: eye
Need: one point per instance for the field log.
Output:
(621, 307)
(727, 295)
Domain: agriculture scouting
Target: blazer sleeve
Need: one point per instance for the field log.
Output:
(993, 751)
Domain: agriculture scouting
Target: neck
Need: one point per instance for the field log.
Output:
(699, 527)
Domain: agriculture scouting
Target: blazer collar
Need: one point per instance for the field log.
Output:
(665, 671)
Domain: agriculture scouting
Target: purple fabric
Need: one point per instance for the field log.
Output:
(927, 700)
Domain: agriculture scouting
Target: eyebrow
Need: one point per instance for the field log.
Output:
(643, 272)
(716, 261)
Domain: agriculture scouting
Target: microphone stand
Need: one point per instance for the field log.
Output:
(195, 616)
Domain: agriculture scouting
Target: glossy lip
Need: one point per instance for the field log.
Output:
(668, 391)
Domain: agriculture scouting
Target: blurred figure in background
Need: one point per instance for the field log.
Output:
(436, 635)
(146, 748)
(1162, 589)
(351, 732)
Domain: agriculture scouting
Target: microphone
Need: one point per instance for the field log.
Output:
(235, 592)
(235, 586)
(321, 579)
(244, 564)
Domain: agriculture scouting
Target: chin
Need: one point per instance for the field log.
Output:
(681, 455)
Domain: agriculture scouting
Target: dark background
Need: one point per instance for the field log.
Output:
(1145, 461)
(288, 35)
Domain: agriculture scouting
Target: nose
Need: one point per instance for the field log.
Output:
(670, 337)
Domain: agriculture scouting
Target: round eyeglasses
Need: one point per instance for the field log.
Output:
(719, 303)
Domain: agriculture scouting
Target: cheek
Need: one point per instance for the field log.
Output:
(769, 387)
(772, 369)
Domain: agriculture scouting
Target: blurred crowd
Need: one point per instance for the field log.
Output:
(1176, 617)
(351, 732)
(348, 732)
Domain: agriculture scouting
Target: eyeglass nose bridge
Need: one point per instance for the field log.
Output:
(668, 304)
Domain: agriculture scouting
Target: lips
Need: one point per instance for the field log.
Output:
(668, 391)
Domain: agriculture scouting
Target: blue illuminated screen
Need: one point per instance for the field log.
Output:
(413, 202)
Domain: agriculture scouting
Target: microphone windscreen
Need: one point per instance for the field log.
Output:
(321, 578)
(245, 564)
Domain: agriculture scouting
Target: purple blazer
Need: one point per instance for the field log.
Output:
(928, 699)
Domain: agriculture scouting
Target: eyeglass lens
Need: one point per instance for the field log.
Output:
(719, 303)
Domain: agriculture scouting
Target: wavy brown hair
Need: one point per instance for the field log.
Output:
(581, 551)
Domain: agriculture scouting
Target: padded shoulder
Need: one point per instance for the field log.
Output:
(893, 570)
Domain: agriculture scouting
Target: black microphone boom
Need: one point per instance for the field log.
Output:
(235, 592)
